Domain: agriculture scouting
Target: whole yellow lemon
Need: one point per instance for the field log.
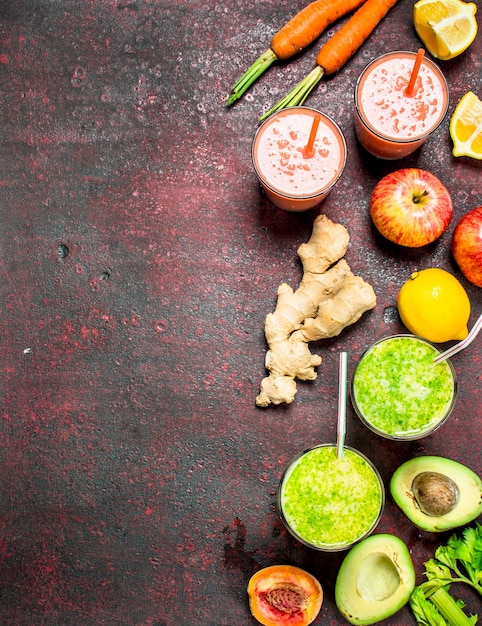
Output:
(434, 305)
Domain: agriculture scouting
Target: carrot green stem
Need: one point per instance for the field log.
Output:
(251, 75)
(299, 93)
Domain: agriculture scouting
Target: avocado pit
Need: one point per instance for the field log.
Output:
(421, 487)
(435, 493)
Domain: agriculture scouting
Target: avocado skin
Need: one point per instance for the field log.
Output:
(375, 580)
(469, 484)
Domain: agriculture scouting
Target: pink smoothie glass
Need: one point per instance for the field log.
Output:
(391, 122)
(292, 178)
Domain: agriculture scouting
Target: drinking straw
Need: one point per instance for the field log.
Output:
(413, 76)
(462, 344)
(308, 151)
(341, 426)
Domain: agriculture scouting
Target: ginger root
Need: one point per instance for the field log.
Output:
(329, 298)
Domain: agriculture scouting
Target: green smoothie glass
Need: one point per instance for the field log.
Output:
(328, 502)
(398, 391)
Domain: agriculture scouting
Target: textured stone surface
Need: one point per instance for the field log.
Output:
(138, 260)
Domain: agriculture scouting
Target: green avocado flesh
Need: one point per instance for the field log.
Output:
(399, 392)
(375, 580)
(330, 502)
(468, 502)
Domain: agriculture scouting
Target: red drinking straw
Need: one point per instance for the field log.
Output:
(308, 150)
(413, 77)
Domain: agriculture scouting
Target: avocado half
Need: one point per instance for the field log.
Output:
(375, 580)
(436, 493)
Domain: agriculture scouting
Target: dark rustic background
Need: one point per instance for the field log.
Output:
(138, 260)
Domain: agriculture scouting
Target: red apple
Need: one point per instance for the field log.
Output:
(411, 207)
(467, 245)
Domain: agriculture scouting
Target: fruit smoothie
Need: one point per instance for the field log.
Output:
(389, 123)
(292, 180)
(329, 503)
(399, 392)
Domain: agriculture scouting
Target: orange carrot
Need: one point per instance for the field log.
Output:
(337, 50)
(306, 26)
(344, 43)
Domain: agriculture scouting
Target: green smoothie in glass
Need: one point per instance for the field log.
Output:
(399, 392)
(330, 503)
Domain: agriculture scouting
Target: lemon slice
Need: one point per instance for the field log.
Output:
(466, 127)
(446, 27)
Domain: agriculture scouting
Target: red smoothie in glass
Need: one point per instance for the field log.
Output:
(389, 123)
(291, 179)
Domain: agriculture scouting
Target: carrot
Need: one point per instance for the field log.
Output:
(302, 29)
(337, 50)
(308, 25)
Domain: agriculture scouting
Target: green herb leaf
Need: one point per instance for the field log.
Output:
(447, 554)
(435, 570)
(460, 560)
(424, 611)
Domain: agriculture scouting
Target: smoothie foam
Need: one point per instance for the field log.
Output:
(291, 179)
(280, 156)
(389, 122)
(327, 502)
(387, 109)
(399, 392)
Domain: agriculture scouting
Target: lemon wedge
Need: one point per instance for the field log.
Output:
(466, 127)
(446, 27)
